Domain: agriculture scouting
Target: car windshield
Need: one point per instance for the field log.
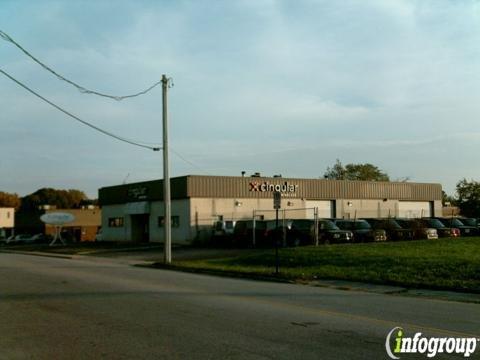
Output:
(248, 224)
(404, 223)
(469, 222)
(302, 224)
(454, 222)
(259, 224)
(362, 224)
(435, 223)
(327, 225)
(345, 225)
(272, 224)
(394, 224)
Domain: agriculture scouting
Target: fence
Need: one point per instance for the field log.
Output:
(284, 216)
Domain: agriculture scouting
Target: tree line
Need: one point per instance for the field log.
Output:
(62, 199)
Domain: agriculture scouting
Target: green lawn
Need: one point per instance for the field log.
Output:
(445, 264)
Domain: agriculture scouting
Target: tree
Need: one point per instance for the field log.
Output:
(336, 172)
(448, 200)
(63, 199)
(9, 200)
(468, 197)
(367, 172)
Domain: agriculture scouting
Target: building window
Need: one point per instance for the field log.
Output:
(8, 214)
(175, 220)
(115, 222)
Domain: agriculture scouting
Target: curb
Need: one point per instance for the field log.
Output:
(229, 274)
(392, 290)
(38, 253)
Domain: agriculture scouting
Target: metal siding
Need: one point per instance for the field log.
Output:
(119, 194)
(238, 187)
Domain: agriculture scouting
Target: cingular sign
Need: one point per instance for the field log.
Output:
(266, 186)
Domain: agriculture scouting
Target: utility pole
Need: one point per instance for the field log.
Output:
(277, 204)
(166, 179)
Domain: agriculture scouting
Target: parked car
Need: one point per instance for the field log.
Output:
(442, 230)
(465, 230)
(288, 233)
(329, 233)
(99, 235)
(223, 228)
(222, 233)
(28, 238)
(20, 238)
(300, 232)
(42, 238)
(271, 234)
(420, 230)
(362, 231)
(470, 222)
(243, 233)
(392, 228)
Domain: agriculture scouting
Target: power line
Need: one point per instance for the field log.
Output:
(186, 160)
(132, 142)
(82, 89)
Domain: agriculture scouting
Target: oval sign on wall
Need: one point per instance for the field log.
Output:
(57, 218)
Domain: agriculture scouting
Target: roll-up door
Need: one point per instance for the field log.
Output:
(414, 209)
(325, 208)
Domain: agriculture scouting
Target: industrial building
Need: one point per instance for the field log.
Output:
(84, 228)
(134, 212)
(7, 222)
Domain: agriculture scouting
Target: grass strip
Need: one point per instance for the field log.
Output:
(448, 264)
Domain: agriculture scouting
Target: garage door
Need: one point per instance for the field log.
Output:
(414, 209)
(325, 208)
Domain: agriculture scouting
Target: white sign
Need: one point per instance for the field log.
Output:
(57, 218)
(277, 200)
(265, 186)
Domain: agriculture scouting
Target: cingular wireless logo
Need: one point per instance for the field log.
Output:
(397, 343)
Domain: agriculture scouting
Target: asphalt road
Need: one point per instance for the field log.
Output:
(104, 309)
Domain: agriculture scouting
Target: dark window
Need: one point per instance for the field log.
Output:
(175, 221)
(345, 225)
(393, 224)
(115, 222)
(456, 222)
(327, 225)
(469, 222)
(362, 225)
(435, 223)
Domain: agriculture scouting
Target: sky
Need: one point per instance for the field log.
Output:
(276, 87)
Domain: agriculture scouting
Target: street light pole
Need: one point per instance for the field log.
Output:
(166, 179)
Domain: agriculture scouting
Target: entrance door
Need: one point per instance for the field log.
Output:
(140, 228)
(77, 234)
